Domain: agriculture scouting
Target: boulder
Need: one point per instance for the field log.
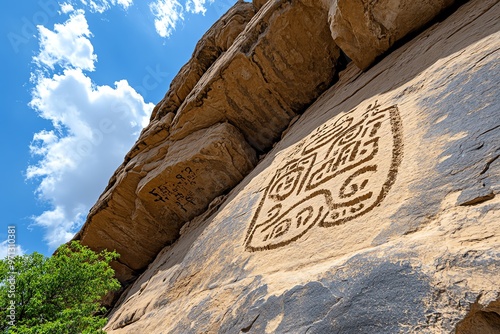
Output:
(283, 60)
(214, 42)
(365, 29)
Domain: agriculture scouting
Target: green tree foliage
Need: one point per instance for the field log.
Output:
(57, 295)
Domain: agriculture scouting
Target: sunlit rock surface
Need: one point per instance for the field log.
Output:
(289, 191)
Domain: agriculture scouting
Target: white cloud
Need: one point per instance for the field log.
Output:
(67, 8)
(4, 250)
(124, 3)
(60, 225)
(167, 13)
(100, 6)
(197, 6)
(94, 127)
(67, 45)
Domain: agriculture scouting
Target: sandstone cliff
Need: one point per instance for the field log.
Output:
(280, 188)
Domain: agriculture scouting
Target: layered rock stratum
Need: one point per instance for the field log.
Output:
(282, 188)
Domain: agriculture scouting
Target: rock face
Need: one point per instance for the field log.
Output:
(274, 69)
(216, 41)
(378, 212)
(374, 207)
(171, 184)
(365, 29)
(256, 82)
(259, 3)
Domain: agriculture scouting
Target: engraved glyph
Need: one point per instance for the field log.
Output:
(341, 171)
(178, 191)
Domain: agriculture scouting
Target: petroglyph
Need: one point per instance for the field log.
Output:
(179, 191)
(341, 171)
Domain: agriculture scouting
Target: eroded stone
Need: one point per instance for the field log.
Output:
(214, 42)
(415, 261)
(365, 29)
(158, 191)
(275, 69)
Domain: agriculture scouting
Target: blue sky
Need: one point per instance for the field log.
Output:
(79, 81)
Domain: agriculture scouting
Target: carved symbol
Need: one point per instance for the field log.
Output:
(341, 171)
(178, 191)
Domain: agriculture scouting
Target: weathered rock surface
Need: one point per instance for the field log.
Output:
(253, 85)
(378, 212)
(215, 42)
(273, 71)
(159, 190)
(258, 4)
(365, 29)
